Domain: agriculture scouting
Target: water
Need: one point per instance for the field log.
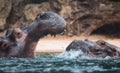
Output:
(48, 63)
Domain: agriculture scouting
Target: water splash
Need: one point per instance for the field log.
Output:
(72, 54)
(78, 54)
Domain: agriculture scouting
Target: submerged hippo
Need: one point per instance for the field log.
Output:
(87, 48)
(22, 42)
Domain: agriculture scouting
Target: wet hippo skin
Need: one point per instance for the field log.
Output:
(22, 42)
(97, 49)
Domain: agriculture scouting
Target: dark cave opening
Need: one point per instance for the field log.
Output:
(39, 1)
(109, 30)
(115, 0)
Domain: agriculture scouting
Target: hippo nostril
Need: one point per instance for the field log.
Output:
(4, 45)
(18, 33)
(0, 43)
(103, 43)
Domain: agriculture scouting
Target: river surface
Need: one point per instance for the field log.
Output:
(49, 63)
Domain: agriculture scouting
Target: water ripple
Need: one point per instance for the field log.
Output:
(51, 64)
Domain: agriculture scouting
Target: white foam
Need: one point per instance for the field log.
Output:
(74, 54)
(79, 54)
(71, 54)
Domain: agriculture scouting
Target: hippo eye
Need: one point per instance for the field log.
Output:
(103, 43)
(40, 15)
(19, 35)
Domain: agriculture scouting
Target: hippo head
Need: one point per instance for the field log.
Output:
(22, 42)
(98, 49)
(45, 23)
(51, 22)
(4, 46)
(12, 44)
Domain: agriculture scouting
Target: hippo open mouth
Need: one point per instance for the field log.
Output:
(22, 42)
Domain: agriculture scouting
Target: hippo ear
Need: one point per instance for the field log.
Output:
(9, 32)
(39, 16)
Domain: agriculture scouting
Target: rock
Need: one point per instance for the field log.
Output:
(16, 13)
(31, 10)
(5, 8)
(16, 17)
(85, 16)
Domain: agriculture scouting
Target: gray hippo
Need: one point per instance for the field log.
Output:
(90, 49)
(22, 42)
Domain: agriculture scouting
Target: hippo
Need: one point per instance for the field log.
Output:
(90, 49)
(22, 42)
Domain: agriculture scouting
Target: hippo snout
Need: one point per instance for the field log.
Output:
(52, 22)
(4, 44)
